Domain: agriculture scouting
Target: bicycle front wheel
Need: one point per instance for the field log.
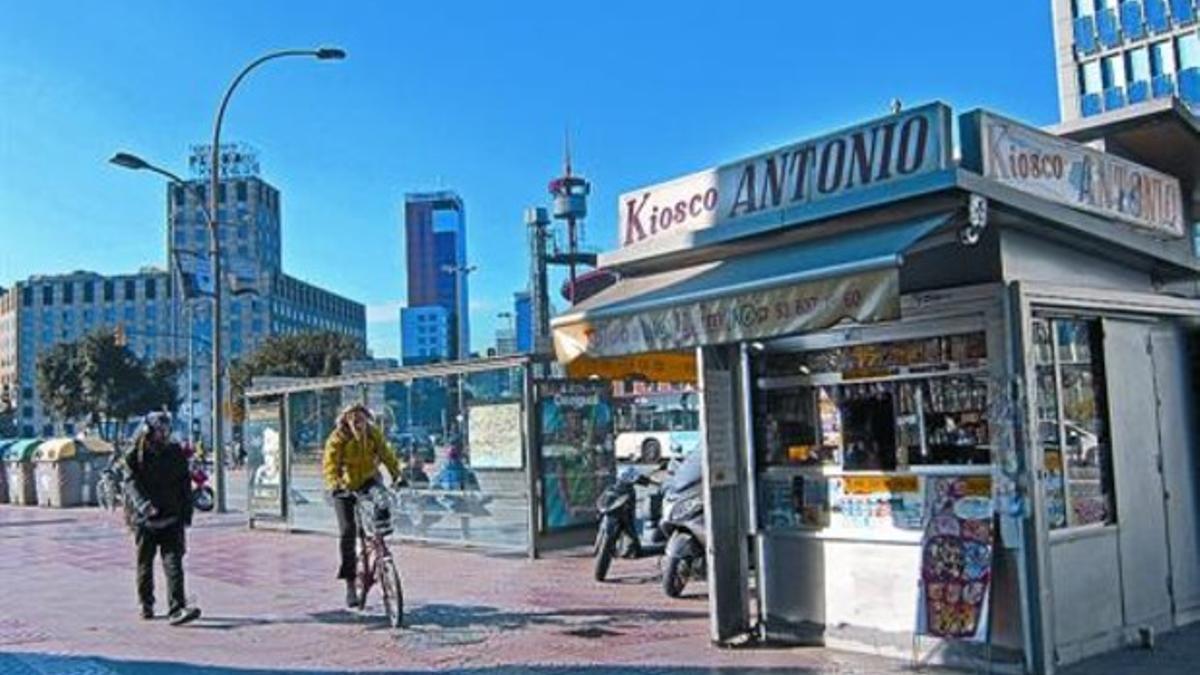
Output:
(393, 594)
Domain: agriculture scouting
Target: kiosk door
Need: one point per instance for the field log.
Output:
(1137, 464)
(1177, 431)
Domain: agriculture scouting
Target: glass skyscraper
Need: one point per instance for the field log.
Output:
(435, 245)
(1114, 53)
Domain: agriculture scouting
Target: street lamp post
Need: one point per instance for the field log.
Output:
(214, 168)
(460, 273)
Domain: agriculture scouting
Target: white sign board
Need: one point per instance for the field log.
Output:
(495, 436)
(720, 429)
(1053, 168)
(880, 152)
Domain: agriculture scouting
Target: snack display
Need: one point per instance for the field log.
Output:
(956, 558)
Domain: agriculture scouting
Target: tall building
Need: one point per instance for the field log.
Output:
(425, 334)
(1112, 54)
(44, 311)
(523, 319)
(260, 300)
(159, 321)
(436, 246)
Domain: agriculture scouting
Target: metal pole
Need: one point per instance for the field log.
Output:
(214, 168)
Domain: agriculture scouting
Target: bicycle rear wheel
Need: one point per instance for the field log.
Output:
(393, 594)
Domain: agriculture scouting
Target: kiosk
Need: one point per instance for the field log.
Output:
(947, 396)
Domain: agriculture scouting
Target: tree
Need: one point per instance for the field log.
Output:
(60, 381)
(304, 355)
(104, 383)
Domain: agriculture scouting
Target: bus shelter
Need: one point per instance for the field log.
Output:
(496, 458)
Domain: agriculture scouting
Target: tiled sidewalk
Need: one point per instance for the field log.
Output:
(271, 604)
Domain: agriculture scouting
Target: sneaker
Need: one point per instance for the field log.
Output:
(147, 612)
(185, 615)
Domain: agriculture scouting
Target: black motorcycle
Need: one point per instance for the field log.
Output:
(621, 532)
(683, 504)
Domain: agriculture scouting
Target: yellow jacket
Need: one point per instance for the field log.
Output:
(348, 464)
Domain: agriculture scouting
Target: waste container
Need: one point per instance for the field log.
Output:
(66, 471)
(4, 443)
(18, 470)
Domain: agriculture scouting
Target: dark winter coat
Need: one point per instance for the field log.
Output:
(158, 474)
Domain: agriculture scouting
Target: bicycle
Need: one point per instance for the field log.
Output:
(375, 563)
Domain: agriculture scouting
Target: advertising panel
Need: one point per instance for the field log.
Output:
(813, 305)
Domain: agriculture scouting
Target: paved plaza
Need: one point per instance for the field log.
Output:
(271, 605)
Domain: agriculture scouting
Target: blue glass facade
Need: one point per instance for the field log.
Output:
(1144, 47)
(523, 313)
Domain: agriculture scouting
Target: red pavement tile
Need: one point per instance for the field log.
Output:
(270, 601)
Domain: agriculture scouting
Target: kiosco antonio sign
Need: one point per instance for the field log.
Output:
(882, 151)
(1060, 170)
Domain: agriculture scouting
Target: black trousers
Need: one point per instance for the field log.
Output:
(171, 545)
(343, 508)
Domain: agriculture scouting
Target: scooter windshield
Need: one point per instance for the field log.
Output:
(687, 474)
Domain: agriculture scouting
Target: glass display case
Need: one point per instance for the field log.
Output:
(843, 435)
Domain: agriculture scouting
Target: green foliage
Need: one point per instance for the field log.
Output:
(304, 355)
(99, 380)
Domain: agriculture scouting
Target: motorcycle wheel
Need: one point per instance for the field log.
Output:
(202, 498)
(673, 579)
(604, 556)
(393, 594)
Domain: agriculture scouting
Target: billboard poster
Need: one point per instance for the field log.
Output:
(263, 435)
(956, 558)
(577, 450)
(495, 436)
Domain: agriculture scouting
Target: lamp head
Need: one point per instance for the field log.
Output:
(330, 54)
(128, 161)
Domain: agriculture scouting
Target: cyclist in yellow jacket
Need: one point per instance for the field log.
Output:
(351, 462)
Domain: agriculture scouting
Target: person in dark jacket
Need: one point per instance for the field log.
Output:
(158, 489)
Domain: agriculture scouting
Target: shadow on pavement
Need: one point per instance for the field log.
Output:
(430, 616)
(27, 663)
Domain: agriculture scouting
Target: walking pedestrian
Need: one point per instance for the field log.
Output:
(158, 489)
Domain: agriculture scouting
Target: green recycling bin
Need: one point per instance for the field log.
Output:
(4, 443)
(18, 469)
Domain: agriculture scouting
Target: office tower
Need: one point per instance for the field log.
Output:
(436, 256)
(1112, 54)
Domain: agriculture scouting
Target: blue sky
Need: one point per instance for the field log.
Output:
(472, 96)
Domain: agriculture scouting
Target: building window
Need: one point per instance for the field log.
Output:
(1112, 69)
(1083, 7)
(130, 290)
(27, 296)
(221, 193)
(1162, 58)
(89, 292)
(1139, 65)
(177, 193)
(151, 288)
(68, 293)
(1189, 51)
(1072, 422)
(48, 294)
(241, 191)
(109, 291)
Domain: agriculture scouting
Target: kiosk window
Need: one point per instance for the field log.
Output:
(1072, 426)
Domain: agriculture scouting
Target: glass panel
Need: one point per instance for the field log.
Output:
(1162, 58)
(311, 418)
(1113, 69)
(1092, 82)
(1139, 64)
(1189, 51)
(1072, 425)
